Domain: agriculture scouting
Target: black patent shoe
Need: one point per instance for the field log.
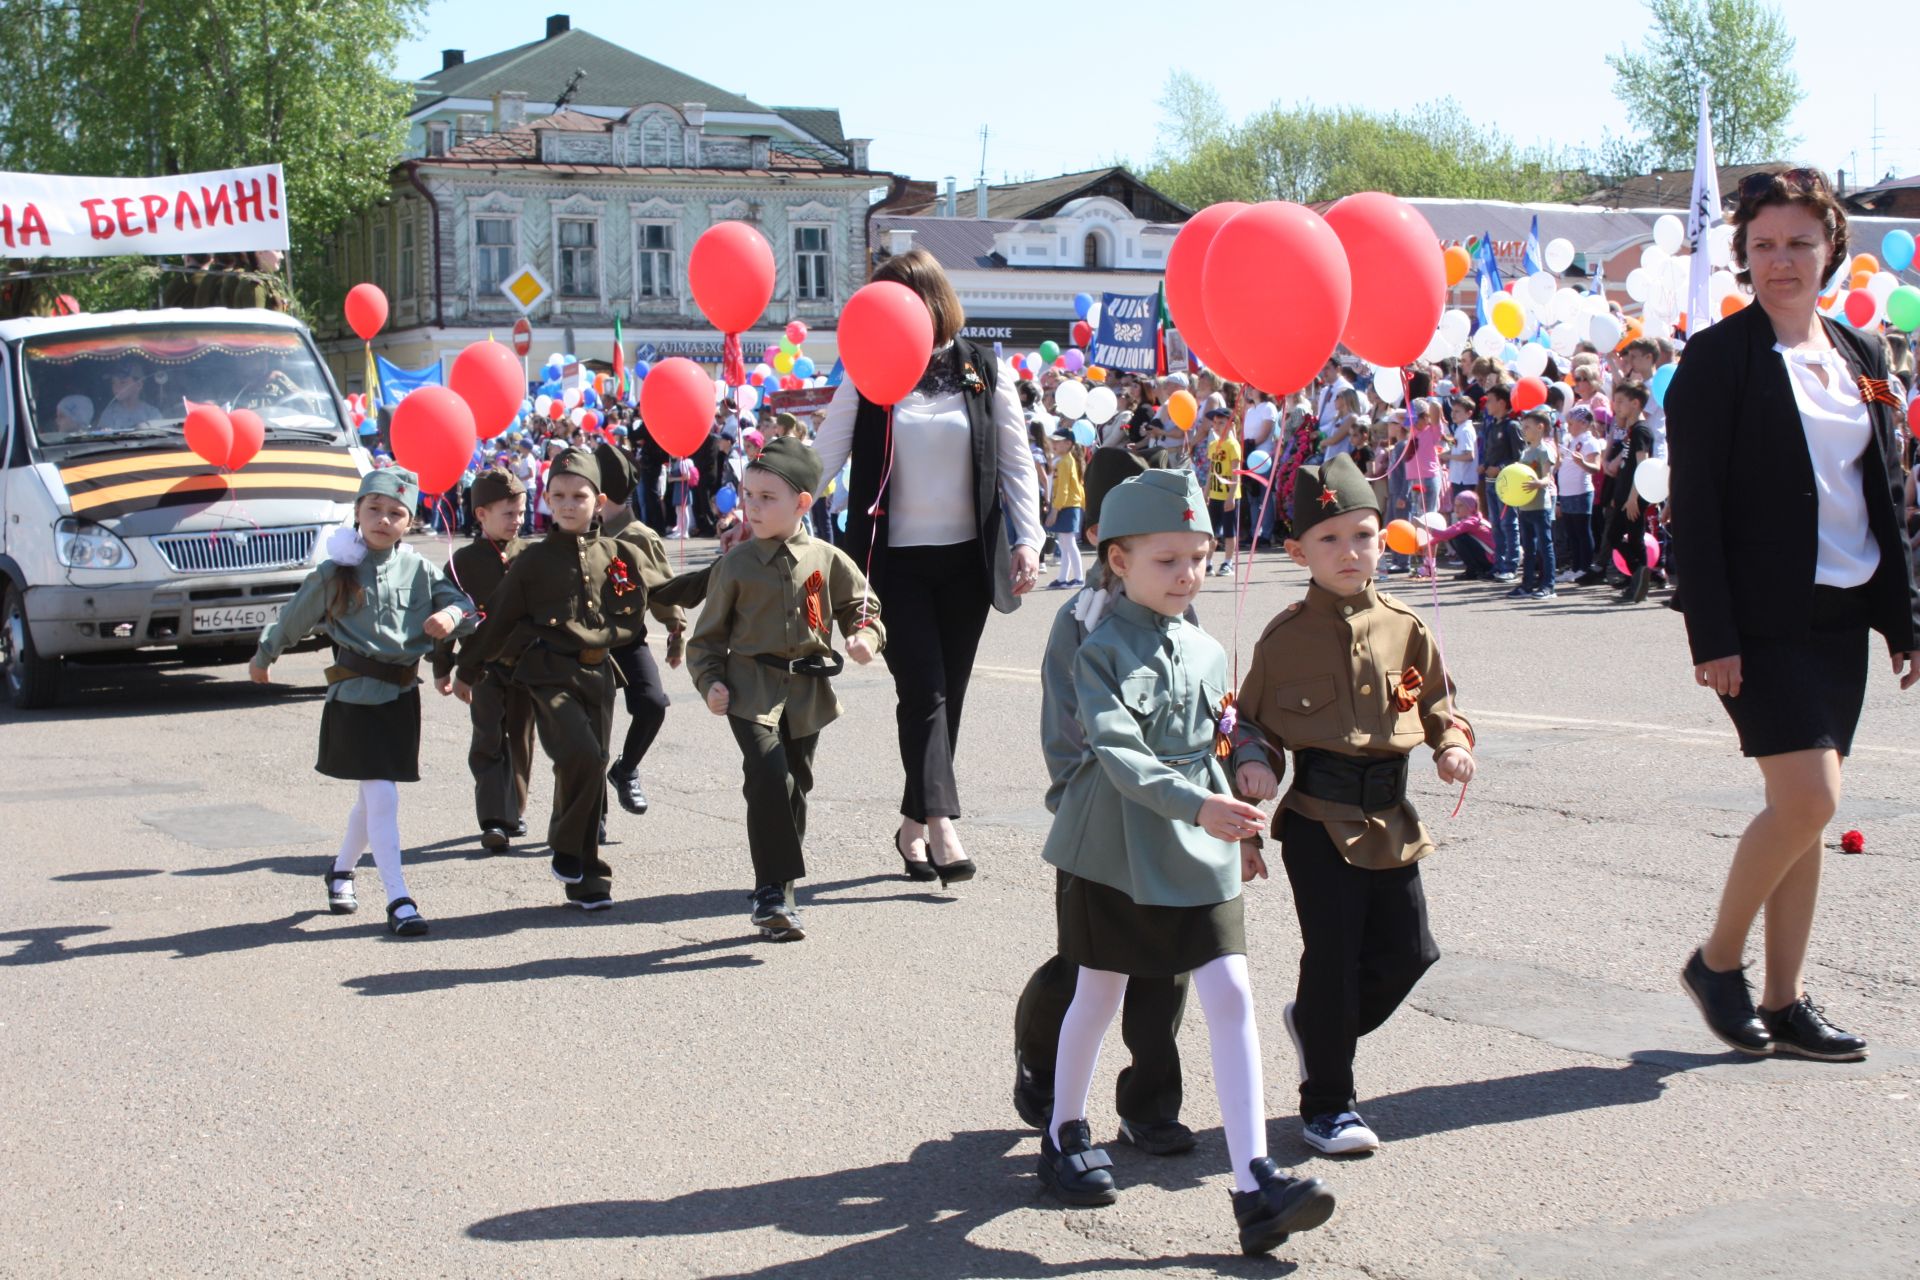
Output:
(1031, 1099)
(626, 788)
(1802, 1029)
(517, 829)
(1162, 1138)
(916, 868)
(493, 837)
(412, 926)
(340, 899)
(1726, 1001)
(1077, 1171)
(1283, 1205)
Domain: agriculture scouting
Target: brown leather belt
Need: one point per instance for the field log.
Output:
(592, 657)
(349, 664)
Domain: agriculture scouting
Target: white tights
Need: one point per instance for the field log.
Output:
(1071, 567)
(1228, 1000)
(375, 821)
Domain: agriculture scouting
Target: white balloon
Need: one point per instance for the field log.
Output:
(1606, 331)
(1639, 284)
(1565, 338)
(1488, 341)
(1595, 304)
(542, 405)
(1102, 404)
(1559, 254)
(1438, 348)
(1533, 360)
(1721, 286)
(1387, 385)
(1458, 327)
(1070, 399)
(1652, 481)
(1720, 245)
(1669, 233)
(747, 397)
(1652, 327)
(1882, 284)
(1565, 305)
(570, 397)
(1652, 256)
(1541, 285)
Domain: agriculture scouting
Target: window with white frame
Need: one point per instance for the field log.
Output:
(811, 265)
(493, 253)
(579, 263)
(437, 139)
(409, 266)
(653, 259)
(380, 257)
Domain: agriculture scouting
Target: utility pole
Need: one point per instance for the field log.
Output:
(983, 153)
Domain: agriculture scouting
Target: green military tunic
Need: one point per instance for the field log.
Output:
(500, 753)
(621, 523)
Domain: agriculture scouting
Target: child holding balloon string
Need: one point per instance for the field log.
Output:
(1068, 500)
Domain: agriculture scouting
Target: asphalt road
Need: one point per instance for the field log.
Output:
(205, 1074)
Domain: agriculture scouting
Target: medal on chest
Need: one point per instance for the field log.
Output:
(618, 576)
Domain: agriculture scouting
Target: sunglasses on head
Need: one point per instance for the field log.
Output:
(1755, 185)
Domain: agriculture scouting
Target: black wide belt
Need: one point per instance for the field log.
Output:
(348, 663)
(1371, 784)
(823, 665)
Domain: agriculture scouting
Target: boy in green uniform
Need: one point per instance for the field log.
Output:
(762, 656)
(1350, 681)
(566, 601)
(501, 751)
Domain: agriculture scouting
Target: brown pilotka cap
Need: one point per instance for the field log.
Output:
(490, 487)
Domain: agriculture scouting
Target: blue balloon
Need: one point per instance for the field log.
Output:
(1658, 384)
(551, 390)
(803, 367)
(1082, 304)
(1259, 461)
(841, 521)
(1897, 250)
(590, 398)
(1083, 433)
(641, 369)
(369, 428)
(726, 500)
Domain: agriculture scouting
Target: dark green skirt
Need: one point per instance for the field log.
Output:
(366, 744)
(1102, 928)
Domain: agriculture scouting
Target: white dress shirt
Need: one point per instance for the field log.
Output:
(1838, 436)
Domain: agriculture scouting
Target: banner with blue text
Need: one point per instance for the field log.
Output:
(1125, 341)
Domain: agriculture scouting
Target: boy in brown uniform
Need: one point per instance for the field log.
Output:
(566, 601)
(762, 655)
(1351, 682)
(501, 752)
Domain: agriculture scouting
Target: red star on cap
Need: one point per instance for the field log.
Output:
(1187, 515)
(1328, 498)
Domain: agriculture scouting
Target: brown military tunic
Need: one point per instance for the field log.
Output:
(621, 523)
(500, 754)
(1325, 675)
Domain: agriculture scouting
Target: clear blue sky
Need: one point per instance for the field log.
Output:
(1065, 87)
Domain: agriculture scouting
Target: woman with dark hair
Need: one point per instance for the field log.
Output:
(1786, 464)
(935, 484)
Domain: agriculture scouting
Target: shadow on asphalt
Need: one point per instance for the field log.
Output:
(459, 848)
(111, 693)
(929, 1206)
(681, 959)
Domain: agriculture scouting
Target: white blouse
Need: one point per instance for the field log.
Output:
(931, 489)
(1838, 432)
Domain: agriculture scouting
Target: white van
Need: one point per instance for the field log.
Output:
(115, 538)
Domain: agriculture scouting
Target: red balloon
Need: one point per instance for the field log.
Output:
(756, 379)
(1529, 393)
(886, 339)
(433, 437)
(1860, 308)
(366, 310)
(556, 410)
(209, 433)
(1186, 295)
(797, 333)
(487, 375)
(1277, 292)
(1913, 415)
(590, 420)
(249, 433)
(1399, 277)
(676, 402)
(1026, 374)
(731, 271)
(1083, 334)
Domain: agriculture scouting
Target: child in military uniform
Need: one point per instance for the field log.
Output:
(567, 600)
(385, 606)
(1147, 840)
(1351, 682)
(500, 754)
(762, 656)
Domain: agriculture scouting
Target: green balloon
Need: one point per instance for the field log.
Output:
(1049, 351)
(1903, 308)
(789, 346)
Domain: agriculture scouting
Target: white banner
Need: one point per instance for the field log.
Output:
(57, 216)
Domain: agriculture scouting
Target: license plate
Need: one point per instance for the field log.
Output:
(234, 617)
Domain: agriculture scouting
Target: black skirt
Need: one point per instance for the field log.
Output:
(1805, 694)
(1102, 928)
(368, 744)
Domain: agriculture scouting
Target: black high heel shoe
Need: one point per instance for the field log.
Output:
(949, 872)
(921, 869)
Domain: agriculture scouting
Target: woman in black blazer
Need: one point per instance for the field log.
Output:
(1790, 495)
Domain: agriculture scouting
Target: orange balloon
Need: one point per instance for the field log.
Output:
(1730, 304)
(1182, 409)
(1634, 330)
(1459, 262)
(1403, 538)
(1864, 263)
(1861, 279)
(1096, 374)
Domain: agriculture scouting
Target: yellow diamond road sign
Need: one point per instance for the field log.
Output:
(526, 287)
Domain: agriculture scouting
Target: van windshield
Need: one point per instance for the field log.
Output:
(103, 387)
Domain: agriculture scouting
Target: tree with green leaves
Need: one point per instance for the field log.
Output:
(133, 88)
(1741, 51)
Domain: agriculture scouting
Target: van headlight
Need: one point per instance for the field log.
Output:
(81, 544)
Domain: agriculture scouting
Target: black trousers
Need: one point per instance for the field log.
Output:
(1628, 537)
(653, 510)
(778, 769)
(500, 754)
(646, 701)
(1364, 945)
(575, 719)
(936, 602)
(1148, 1091)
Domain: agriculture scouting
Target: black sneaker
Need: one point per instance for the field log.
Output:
(1591, 578)
(1282, 1206)
(567, 869)
(493, 837)
(1030, 1099)
(1802, 1030)
(1077, 1171)
(1637, 586)
(774, 913)
(1167, 1138)
(517, 829)
(626, 788)
(591, 901)
(1726, 1001)
(1518, 593)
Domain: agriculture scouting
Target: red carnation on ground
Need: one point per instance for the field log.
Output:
(1853, 842)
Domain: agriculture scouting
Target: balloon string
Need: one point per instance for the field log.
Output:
(873, 520)
(1440, 652)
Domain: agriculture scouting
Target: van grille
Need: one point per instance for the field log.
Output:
(235, 549)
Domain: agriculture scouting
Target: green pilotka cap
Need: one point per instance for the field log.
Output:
(1331, 489)
(576, 462)
(494, 486)
(792, 460)
(616, 473)
(1154, 502)
(391, 482)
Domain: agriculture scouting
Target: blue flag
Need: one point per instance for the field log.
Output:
(395, 382)
(1531, 259)
(1488, 281)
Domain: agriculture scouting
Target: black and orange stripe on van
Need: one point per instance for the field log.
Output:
(103, 488)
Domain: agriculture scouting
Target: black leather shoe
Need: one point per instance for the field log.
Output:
(1726, 1002)
(409, 926)
(517, 829)
(1282, 1206)
(493, 837)
(1802, 1029)
(1167, 1138)
(1077, 1172)
(1033, 1101)
(626, 788)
